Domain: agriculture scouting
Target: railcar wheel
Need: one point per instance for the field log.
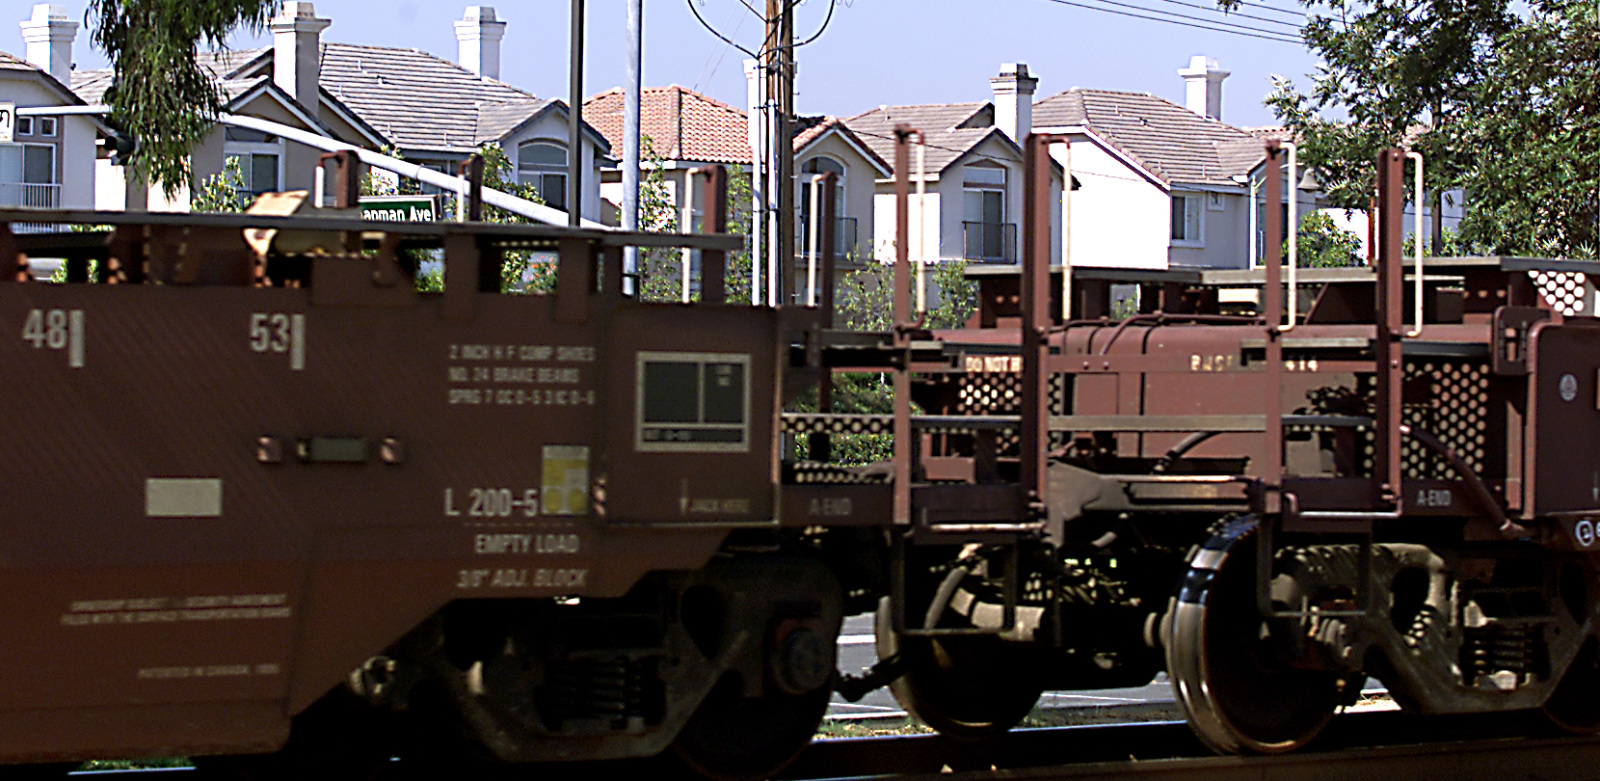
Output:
(1575, 704)
(1234, 682)
(970, 688)
(731, 737)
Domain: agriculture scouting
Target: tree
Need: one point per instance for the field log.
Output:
(222, 192)
(1499, 97)
(159, 93)
(1322, 244)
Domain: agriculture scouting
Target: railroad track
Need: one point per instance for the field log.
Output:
(1388, 746)
(1384, 746)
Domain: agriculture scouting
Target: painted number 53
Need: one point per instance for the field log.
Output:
(279, 332)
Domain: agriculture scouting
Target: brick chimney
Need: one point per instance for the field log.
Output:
(478, 41)
(1013, 100)
(49, 37)
(297, 52)
(1204, 95)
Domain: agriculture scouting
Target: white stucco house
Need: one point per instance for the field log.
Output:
(688, 130)
(973, 181)
(427, 109)
(49, 162)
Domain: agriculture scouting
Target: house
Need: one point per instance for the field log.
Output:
(428, 110)
(688, 130)
(49, 162)
(1161, 184)
(972, 209)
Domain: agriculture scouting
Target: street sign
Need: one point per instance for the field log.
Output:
(400, 208)
(8, 122)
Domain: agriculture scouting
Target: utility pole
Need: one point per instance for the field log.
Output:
(575, 121)
(630, 133)
(779, 53)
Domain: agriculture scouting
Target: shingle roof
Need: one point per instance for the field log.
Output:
(223, 65)
(682, 124)
(951, 130)
(10, 62)
(1169, 141)
(812, 128)
(416, 100)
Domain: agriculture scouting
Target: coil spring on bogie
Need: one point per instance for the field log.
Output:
(584, 689)
(1499, 648)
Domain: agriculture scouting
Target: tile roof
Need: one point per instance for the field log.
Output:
(950, 129)
(682, 124)
(1169, 141)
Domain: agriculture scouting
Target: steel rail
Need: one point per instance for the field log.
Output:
(1397, 746)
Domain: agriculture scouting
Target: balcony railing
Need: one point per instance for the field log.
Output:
(30, 196)
(844, 237)
(990, 242)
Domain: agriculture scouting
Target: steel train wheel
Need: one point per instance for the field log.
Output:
(970, 688)
(1234, 683)
(1575, 704)
(735, 738)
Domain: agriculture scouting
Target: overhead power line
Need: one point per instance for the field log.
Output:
(1201, 24)
(1237, 14)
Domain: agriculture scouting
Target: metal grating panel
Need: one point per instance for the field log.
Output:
(1566, 291)
(1454, 409)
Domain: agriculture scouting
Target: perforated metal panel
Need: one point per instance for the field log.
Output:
(838, 423)
(1567, 292)
(1453, 408)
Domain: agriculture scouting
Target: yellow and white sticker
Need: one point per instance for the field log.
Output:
(565, 489)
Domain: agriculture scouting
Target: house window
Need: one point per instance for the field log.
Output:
(47, 126)
(812, 167)
(260, 158)
(543, 166)
(987, 237)
(24, 126)
(1186, 223)
(28, 176)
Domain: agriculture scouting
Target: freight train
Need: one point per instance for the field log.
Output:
(271, 507)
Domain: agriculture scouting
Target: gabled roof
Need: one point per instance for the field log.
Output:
(951, 130)
(682, 124)
(814, 129)
(413, 99)
(1172, 143)
(13, 63)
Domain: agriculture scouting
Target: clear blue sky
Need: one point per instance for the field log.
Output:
(873, 52)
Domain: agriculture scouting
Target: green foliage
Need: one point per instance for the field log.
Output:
(1451, 244)
(523, 271)
(660, 269)
(866, 297)
(1323, 244)
(1500, 98)
(159, 94)
(866, 303)
(222, 192)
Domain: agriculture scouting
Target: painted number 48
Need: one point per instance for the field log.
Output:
(56, 329)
